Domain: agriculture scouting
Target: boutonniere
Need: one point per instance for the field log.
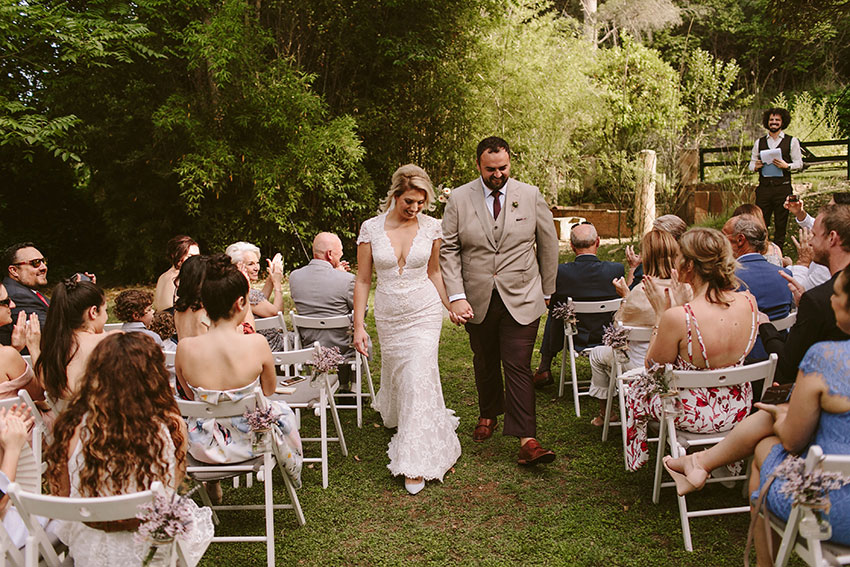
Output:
(514, 204)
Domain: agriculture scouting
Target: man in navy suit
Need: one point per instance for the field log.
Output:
(26, 270)
(587, 278)
(748, 238)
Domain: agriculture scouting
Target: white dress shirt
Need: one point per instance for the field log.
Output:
(796, 153)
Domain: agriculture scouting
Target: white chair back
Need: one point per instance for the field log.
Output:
(607, 306)
(274, 322)
(785, 322)
(680, 441)
(636, 334)
(30, 465)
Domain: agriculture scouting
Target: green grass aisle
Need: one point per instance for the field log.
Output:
(584, 509)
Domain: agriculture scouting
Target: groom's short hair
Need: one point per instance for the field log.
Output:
(493, 144)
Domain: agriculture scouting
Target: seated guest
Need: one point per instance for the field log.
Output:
(671, 224)
(134, 307)
(119, 434)
(818, 412)
(772, 253)
(73, 329)
(807, 272)
(587, 278)
(246, 256)
(659, 251)
(178, 249)
(715, 330)
(190, 317)
(815, 319)
(226, 364)
(748, 237)
(15, 372)
(324, 288)
(25, 271)
(163, 325)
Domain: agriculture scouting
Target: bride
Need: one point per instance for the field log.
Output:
(404, 247)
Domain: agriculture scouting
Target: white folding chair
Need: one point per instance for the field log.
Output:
(101, 509)
(609, 306)
(786, 322)
(275, 322)
(636, 334)
(263, 466)
(112, 327)
(358, 364)
(10, 555)
(681, 441)
(301, 392)
(30, 463)
(812, 551)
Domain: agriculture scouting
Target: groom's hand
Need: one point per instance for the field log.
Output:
(461, 311)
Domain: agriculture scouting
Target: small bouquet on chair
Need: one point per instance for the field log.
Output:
(326, 361)
(617, 338)
(566, 312)
(161, 522)
(260, 420)
(658, 379)
(810, 491)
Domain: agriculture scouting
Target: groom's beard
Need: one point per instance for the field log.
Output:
(493, 183)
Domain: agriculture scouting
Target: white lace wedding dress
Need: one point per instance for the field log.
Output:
(409, 317)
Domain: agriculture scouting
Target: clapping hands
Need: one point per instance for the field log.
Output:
(621, 286)
(26, 332)
(14, 425)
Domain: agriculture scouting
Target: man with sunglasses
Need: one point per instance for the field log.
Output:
(26, 271)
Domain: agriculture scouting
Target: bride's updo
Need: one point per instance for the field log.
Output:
(223, 285)
(409, 177)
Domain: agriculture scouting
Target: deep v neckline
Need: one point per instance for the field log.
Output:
(404, 254)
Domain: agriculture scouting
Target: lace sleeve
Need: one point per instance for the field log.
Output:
(830, 360)
(365, 234)
(435, 228)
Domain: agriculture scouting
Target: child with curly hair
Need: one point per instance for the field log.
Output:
(135, 308)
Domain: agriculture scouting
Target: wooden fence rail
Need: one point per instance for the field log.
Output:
(809, 157)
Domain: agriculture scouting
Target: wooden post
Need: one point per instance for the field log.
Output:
(645, 193)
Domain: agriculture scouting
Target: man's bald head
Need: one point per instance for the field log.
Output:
(328, 247)
(584, 239)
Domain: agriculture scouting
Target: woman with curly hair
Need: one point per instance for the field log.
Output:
(72, 330)
(715, 330)
(225, 364)
(121, 432)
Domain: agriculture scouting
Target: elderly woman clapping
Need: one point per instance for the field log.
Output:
(246, 256)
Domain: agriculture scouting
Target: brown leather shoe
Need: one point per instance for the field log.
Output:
(542, 378)
(532, 453)
(484, 429)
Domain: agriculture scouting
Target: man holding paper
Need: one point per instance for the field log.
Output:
(774, 156)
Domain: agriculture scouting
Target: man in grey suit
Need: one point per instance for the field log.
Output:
(499, 258)
(325, 288)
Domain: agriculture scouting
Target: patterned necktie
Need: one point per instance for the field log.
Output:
(497, 205)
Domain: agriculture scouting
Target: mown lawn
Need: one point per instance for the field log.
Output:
(584, 509)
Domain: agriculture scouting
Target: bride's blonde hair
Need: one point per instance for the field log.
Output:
(409, 177)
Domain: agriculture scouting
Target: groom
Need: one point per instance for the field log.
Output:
(499, 259)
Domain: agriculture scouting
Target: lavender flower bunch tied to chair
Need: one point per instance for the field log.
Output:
(567, 313)
(810, 491)
(163, 520)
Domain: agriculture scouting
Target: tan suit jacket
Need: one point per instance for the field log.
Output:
(521, 263)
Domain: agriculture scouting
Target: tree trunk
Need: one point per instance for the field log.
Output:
(645, 193)
(589, 9)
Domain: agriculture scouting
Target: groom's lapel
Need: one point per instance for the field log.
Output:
(480, 206)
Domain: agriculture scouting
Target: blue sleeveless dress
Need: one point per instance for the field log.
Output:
(832, 361)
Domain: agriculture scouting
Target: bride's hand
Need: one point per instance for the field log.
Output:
(361, 341)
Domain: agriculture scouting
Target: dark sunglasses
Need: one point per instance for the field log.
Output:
(34, 263)
(6, 302)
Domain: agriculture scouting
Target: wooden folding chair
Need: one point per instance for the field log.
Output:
(814, 552)
(681, 441)
(636, 334)
(263, 466)
(101, 509)
(609, 306)
(302, 392)
(358, 364)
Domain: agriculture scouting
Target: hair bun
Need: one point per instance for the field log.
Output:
(70, 284)
(219, 265)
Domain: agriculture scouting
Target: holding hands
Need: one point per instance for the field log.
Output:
(460, 311)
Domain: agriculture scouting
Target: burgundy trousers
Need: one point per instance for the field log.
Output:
(497, 342)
